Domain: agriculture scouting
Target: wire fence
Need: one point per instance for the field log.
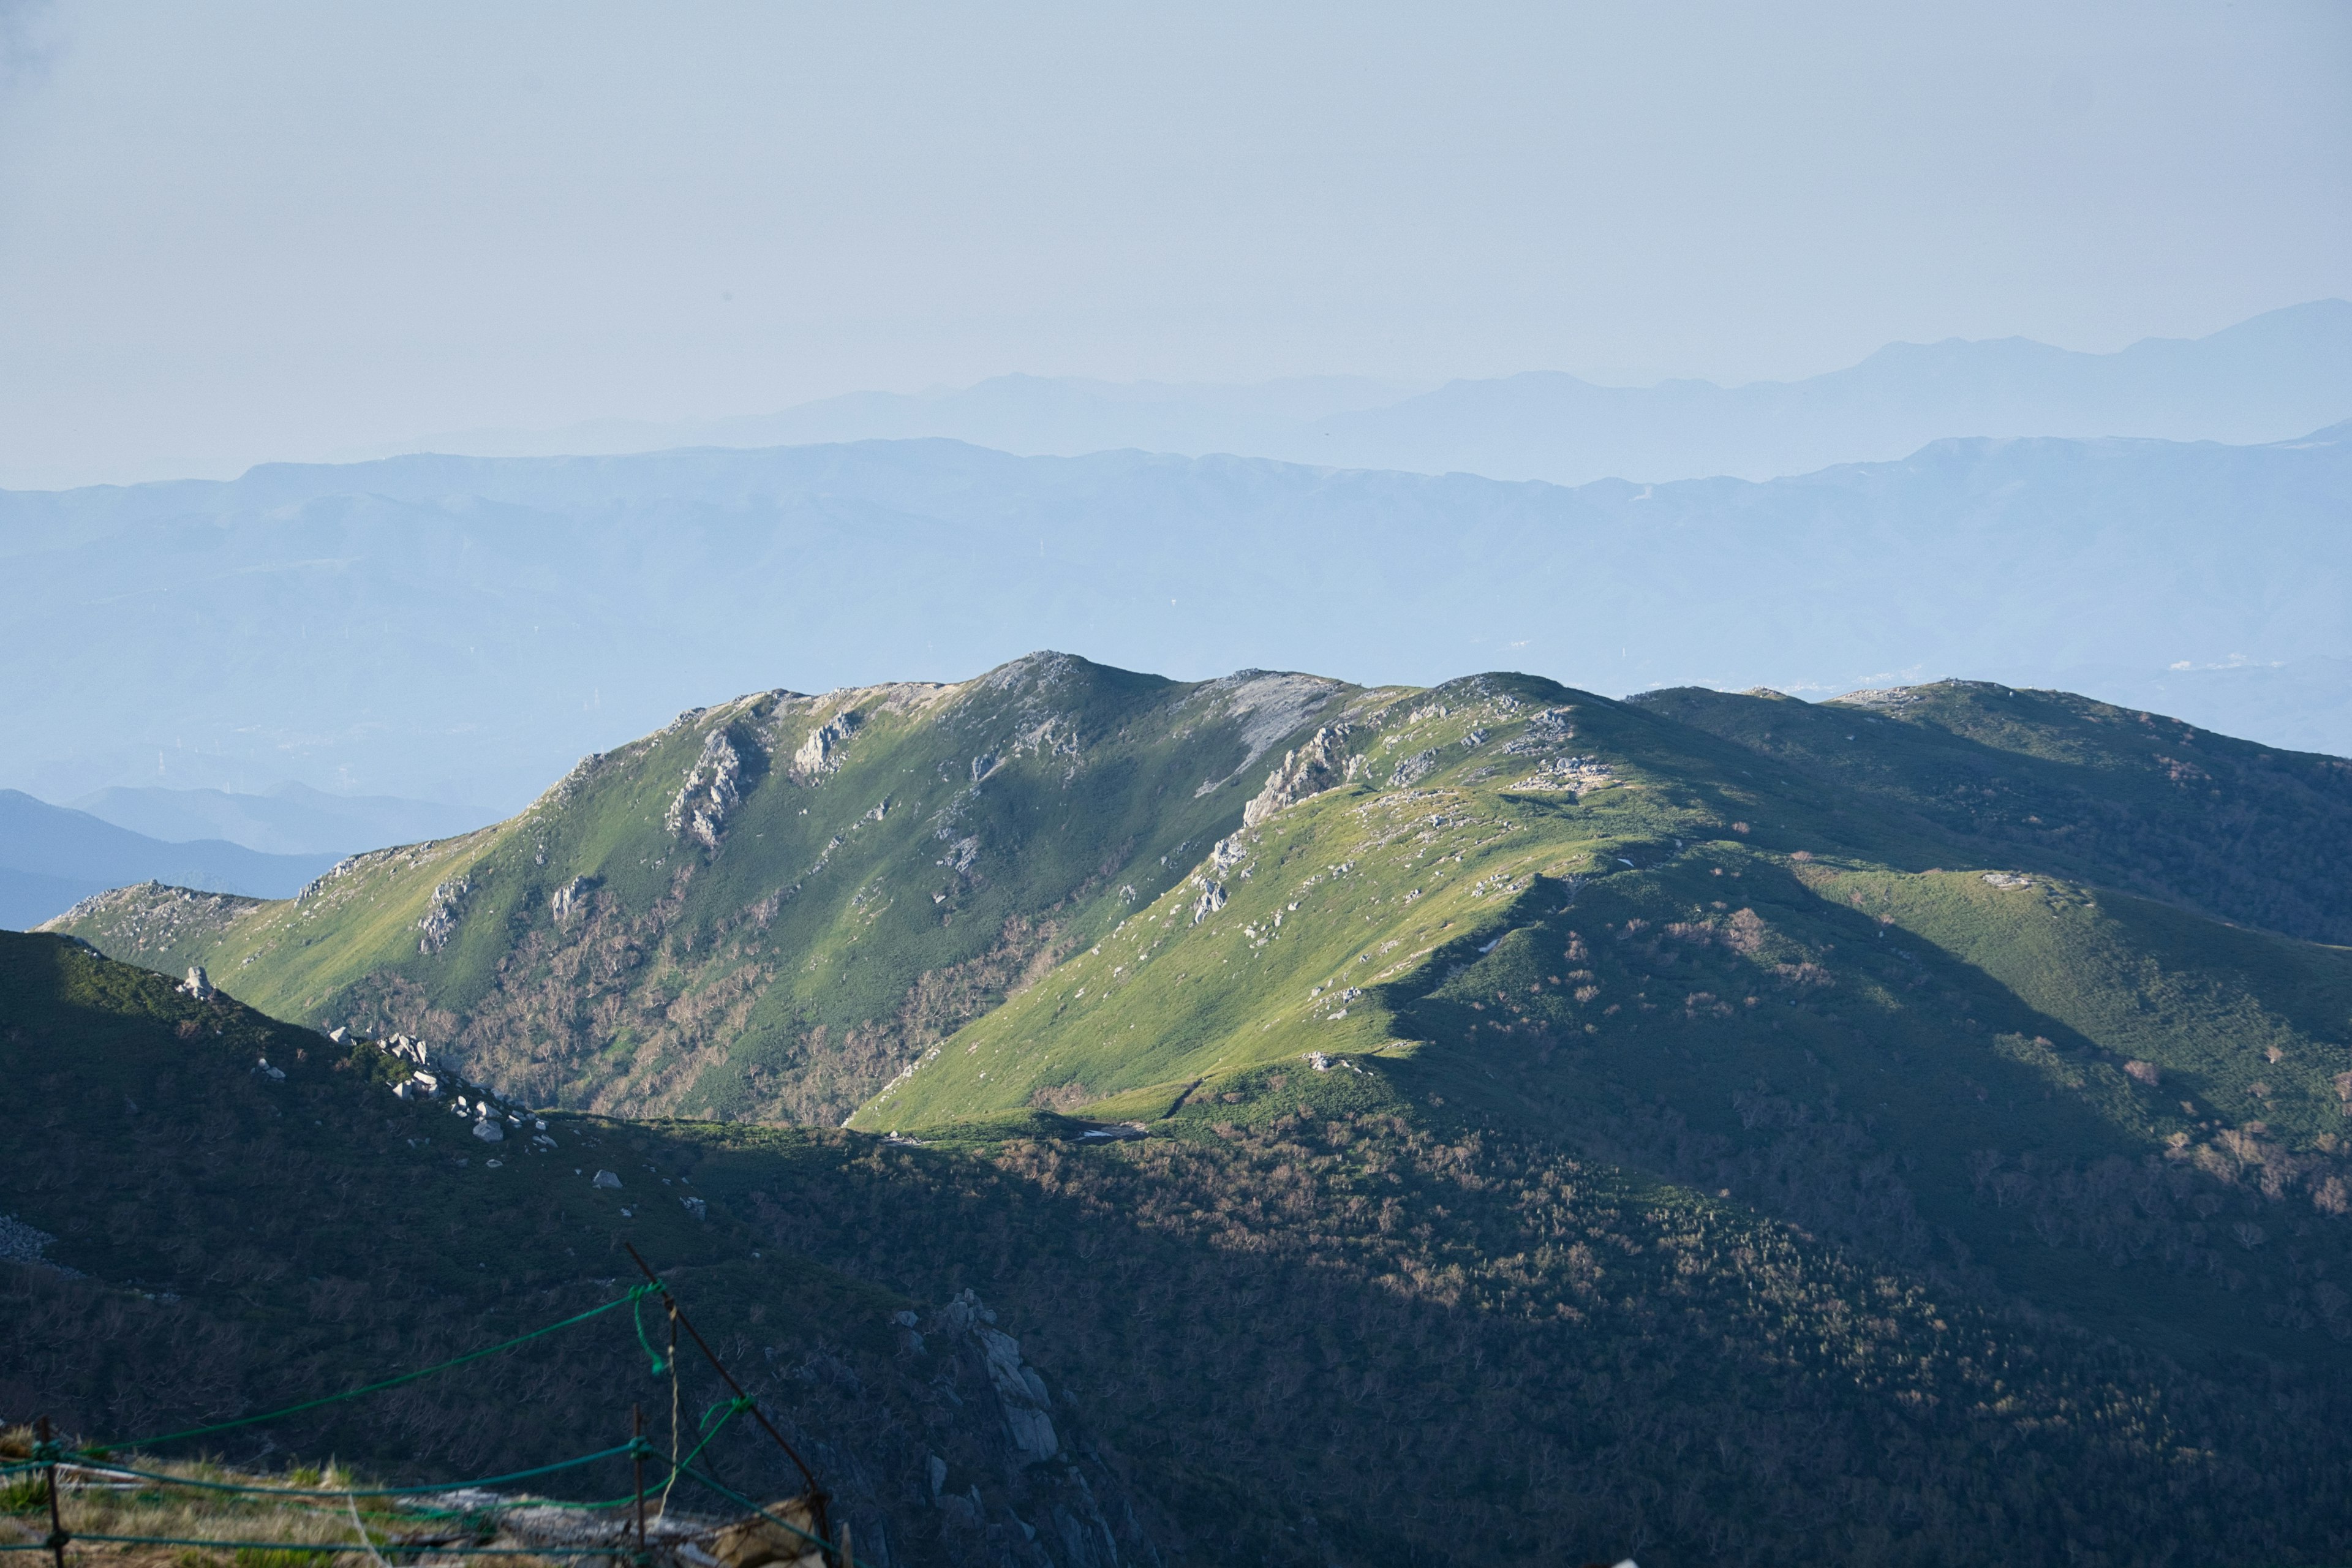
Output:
(50, 1453)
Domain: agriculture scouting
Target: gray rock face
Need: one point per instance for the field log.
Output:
(1023, 1393)
(606, 1179)
(569, 901)
(199, 985)
(821, 753)
(713, 788)
(1211, 900)
(439, 921)
(489, 1132)
(1320, 764)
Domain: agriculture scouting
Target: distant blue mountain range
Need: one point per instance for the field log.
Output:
(462, 628)
(2267, 379)
(51, 857)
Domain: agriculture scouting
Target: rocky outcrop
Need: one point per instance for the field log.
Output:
(570, 901)
(713, 788)
(1011, 1486)
(1318, 765)
(1020, 1391)
(821, 753)
(439, 921)
(199, 985)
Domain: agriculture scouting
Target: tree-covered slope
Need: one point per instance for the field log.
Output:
(1312, 1317)
(211, 1214)
(765, 907)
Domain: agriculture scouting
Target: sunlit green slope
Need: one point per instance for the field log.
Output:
(766, 907)
(1704, 963)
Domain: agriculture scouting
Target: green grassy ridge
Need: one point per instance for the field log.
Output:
(1433, 867)
(1909, 1057)
(2129, 799)
(791, 969)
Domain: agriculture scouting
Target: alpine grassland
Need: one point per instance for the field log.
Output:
(1490, 1122)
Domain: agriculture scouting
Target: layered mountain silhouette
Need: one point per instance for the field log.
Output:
(52, 855)
(2266, 379)
(459, 629)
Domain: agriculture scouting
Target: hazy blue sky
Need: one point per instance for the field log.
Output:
(237, 232)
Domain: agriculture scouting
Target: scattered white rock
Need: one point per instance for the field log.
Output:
(1413, 769)
(2007, 880)
(606, 1179)
(263, 1069)
(697, 1207)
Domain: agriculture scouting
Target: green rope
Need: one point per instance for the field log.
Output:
(367, 1492)
(637, 1315)
(734, 1407)
(629, 1300)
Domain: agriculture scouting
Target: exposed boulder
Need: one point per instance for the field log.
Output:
(1320, 764)
(199, 985)
(489, 1132)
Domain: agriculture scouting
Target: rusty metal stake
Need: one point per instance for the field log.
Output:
(637, 1468)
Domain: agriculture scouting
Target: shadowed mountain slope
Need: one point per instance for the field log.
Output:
(1313, 1317)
